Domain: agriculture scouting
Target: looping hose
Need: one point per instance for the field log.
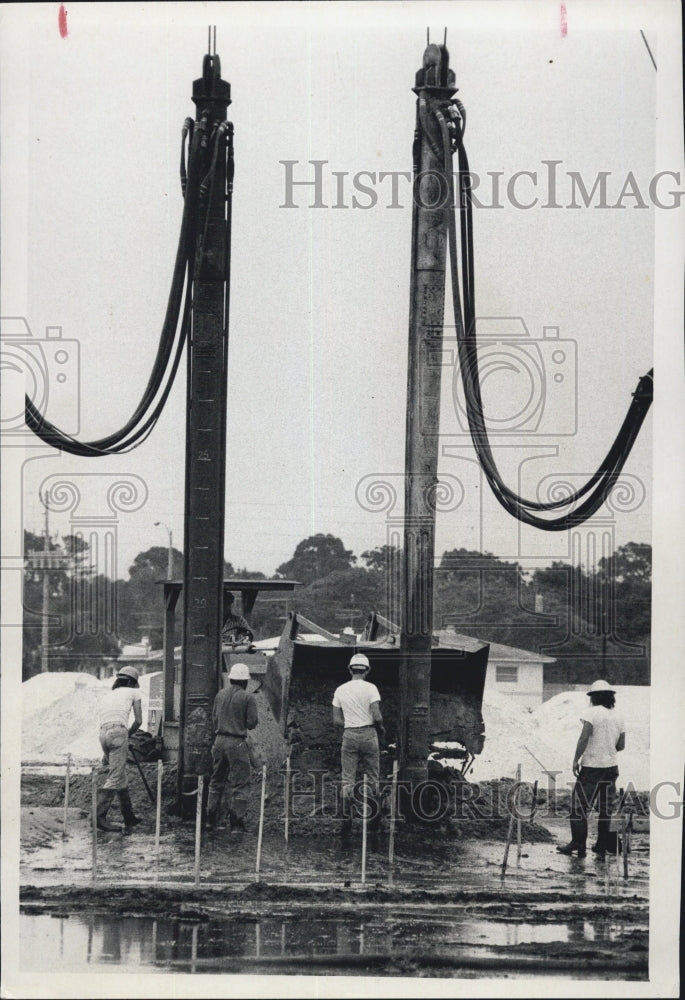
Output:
(165, 366)
(600, 484)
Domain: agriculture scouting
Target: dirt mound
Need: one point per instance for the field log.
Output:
(60, 715)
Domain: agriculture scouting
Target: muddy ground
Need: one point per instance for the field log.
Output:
(441, 909)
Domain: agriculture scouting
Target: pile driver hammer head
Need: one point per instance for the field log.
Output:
(435, 71)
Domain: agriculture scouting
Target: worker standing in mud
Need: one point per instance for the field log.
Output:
(234, 713)
(115, 710)
(595, 765)
(357, 708)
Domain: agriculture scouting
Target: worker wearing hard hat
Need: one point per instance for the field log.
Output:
(357, 708)
(234, 713)
(595, 765)
(115, 710)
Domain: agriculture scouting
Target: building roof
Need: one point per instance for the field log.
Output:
(498, 651)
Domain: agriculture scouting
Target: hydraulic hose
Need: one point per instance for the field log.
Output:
(145, 415)
(600, 484)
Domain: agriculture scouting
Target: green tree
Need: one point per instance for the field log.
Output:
(315, 557)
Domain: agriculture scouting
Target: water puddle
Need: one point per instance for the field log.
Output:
(94, 942)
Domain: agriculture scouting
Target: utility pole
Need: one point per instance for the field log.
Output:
(206, 429)
(170, 549)
(434, 88)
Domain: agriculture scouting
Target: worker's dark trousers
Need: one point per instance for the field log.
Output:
(230, 759)
(595, 786)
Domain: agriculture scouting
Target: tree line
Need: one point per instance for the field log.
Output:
(593, 622)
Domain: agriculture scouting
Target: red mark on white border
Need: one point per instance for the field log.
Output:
(564, 21)
(62, 21)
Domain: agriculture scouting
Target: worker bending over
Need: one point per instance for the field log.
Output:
(234, 712)
(115, 709)
(357, 707)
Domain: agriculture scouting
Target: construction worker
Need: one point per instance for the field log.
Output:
(115, 710)
(234, 712)
(595, 765)
(357, 708)
(235, 628)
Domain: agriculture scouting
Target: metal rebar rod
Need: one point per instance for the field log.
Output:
(198, 826)
(261, 824)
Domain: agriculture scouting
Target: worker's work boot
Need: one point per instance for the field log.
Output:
(105, 798)
(236, 823)
(572, 848)
(130, 818)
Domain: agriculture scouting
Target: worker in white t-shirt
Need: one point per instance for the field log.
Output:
(595, 765)
(115, 710)
(357, 708)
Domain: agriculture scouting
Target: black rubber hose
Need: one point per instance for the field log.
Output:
(608, 473)
(51, 434)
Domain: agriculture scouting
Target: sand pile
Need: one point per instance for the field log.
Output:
(557, 721)
(60, 715)
(549, 733)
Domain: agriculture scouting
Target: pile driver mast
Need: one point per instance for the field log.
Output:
(206, 431)
(434, 89)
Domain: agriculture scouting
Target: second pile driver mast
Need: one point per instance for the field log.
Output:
(205, 488)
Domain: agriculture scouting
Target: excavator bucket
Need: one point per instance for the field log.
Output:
(310, 663)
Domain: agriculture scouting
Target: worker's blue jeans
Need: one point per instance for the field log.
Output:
(230, 760)
(595, 786)
(359, 750)
(114, 742)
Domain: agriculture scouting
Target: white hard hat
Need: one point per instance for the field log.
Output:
(359, 662)
(239, 672)
(128, 672)
(600, 686)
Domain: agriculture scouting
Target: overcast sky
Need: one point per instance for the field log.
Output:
(319, 296)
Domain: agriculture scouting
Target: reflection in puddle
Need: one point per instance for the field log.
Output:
(86, 943)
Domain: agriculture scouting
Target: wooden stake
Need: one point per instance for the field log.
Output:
(364, 818)
(261, 824)
(518, 816)
(198, 826)
(534, 804)
(66, 795)
(158, 817)
(287, 798)
(510, 834)
(393, 812)
(94, 802)
(624, 838)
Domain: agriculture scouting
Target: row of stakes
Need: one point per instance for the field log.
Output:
(199, 792)
(515, 819)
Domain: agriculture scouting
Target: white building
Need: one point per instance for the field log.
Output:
(514, 674)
